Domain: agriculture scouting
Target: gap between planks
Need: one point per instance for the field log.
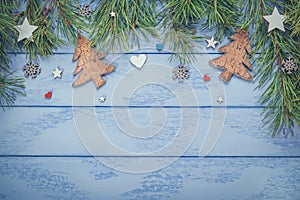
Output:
(143, 106)
(114, 156)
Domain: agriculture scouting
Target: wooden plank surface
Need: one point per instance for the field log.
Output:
(188, 178)
(45, 154)
(52, 131)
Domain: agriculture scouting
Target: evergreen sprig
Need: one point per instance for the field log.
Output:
(133, 19)
(280, 91)
(56, 19)
(178, 21)
(222, 16)
(10, 85)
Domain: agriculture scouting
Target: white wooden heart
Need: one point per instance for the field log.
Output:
(138, 61)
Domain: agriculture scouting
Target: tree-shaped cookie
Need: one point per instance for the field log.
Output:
(89, 64)
(235, 58)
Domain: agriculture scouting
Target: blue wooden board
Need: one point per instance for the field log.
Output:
(47, 152)
(52, 131)
(187, 178)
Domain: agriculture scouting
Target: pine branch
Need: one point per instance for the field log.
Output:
(181, 43)
(293, 20)
(7, 32)
(56, 19)
(280, 94)
(10, 86)
(133, 19)
(178, 22)
(222, 16)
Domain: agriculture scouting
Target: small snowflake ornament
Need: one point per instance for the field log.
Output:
(31, 69)
(181, 73)
(288, 65)
(85, 11)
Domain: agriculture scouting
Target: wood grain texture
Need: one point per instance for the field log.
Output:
(188, 178)
(52, 131)
(43, 156)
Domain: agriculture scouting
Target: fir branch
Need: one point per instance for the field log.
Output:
(56, 19)
(133, 19)
(280, 94)
(43, 40)
(293, 20)
(10, 87)
(222, 16)
(184, 12)
(178, 20)
(69, 22)
(181, 43)
(7, 32)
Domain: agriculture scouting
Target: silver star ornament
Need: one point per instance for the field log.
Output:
(275, 20)
(211, 42)
(220, 99)
(102, 99)
(25, 30)
(112, 14)
(57, 73)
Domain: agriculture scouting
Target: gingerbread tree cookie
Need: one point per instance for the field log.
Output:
(235, 58)
(89, 64)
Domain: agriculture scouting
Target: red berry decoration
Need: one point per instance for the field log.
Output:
(48, 95)
(206, 78)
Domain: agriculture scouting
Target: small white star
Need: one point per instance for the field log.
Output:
(25, 30)
(211, 42)
(102, 99)
(112, 14)
(57, 73)
(220, 99)
(275, 20)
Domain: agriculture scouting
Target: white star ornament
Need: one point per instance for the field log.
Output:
(211, 42)
(25, 30)
(57, 73)
(275, 20)
(102, 99)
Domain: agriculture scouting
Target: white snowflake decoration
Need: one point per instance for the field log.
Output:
(31, 69)
(288, 66)
(181, 73)
(85, 11)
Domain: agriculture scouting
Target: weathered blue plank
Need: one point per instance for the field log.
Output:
(152, 85)
(187, 178)
(61, 131)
